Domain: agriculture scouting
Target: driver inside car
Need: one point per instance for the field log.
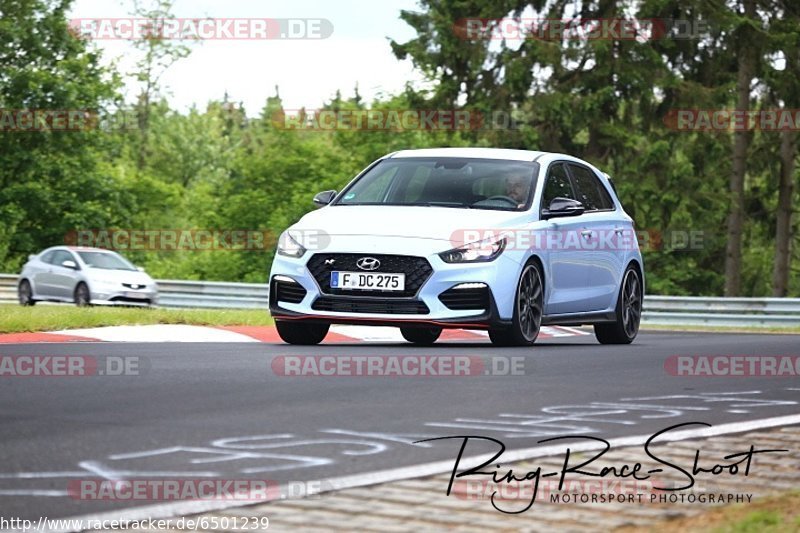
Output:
(517, 189)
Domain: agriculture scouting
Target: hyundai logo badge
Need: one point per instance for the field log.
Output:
(368, 263)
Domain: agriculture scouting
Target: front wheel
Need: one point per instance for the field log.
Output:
(25, 294)
(628, 312)
(300, 333)
(421, 336)
(82, 296)
(528, 307)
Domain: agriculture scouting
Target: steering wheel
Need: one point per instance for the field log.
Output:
(504, 198)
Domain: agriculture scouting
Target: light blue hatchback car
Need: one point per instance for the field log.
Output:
(480, 238)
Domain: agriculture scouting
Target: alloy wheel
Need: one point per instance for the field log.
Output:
(530, 303)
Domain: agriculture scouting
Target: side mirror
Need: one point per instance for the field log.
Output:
(324, 198)
(563, 207)
(69, 264)
(31, 257)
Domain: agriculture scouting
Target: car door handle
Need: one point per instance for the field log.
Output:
(618, 231)
(587, 233)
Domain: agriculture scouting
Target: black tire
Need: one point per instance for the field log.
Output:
(628, 312)
(528, 311)
(25, 293)
(82, 296)
(421, 336)
(301, 333)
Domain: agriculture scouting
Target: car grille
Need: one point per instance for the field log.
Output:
(462, 299)
(125, 299)
(416, 269)
(370, 305)
(292, 293)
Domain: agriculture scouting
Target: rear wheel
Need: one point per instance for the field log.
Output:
(423, 336)
(82, 296)
(25, 293)
(528, 306)
(300, 333)
(628, 312)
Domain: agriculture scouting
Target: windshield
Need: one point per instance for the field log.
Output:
(445, 182)
(105, 260)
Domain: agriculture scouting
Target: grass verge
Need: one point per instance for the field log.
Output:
(17, 319)
(720, 329)
(773, 514)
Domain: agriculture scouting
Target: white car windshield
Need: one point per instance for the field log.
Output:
(105, 260)
(445, 182)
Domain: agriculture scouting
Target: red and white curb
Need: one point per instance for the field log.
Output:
(184, 333)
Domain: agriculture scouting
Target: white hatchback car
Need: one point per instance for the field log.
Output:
(84, 276)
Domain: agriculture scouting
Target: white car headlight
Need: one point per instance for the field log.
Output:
(476, 252)
(288, 246)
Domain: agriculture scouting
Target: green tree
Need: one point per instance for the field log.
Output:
(50, 181)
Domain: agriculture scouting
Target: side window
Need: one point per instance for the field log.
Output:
(557, 185)
(591, 192)
(60, 256)
(614, 188)
(48, 257)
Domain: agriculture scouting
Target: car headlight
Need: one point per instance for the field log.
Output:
(288, 246)
(476, 252)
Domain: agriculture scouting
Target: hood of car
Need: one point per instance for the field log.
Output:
(451, 225)
(118, 276)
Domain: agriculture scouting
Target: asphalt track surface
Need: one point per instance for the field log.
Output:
(221, 411)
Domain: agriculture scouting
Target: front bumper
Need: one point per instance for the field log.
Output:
(138, 298)
(425, 308)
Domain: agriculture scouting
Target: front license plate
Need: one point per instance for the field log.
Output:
(373, 281)
(135, 295)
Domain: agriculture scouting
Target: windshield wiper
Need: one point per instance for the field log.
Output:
(493, 208)
(440, 204)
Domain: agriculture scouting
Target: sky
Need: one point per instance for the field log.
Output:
(307, 72)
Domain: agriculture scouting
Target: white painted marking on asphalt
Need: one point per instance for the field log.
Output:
(667, 410)
(214, 455)
(391, 437)
(47, 493)
(291, 460)
(225, 443)
(42, 475)
(159, 333)
(717, 397)
(99, 470)
(574, 331)
(517, 432)
(536, 425)
(440, 467)
(552, 331)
